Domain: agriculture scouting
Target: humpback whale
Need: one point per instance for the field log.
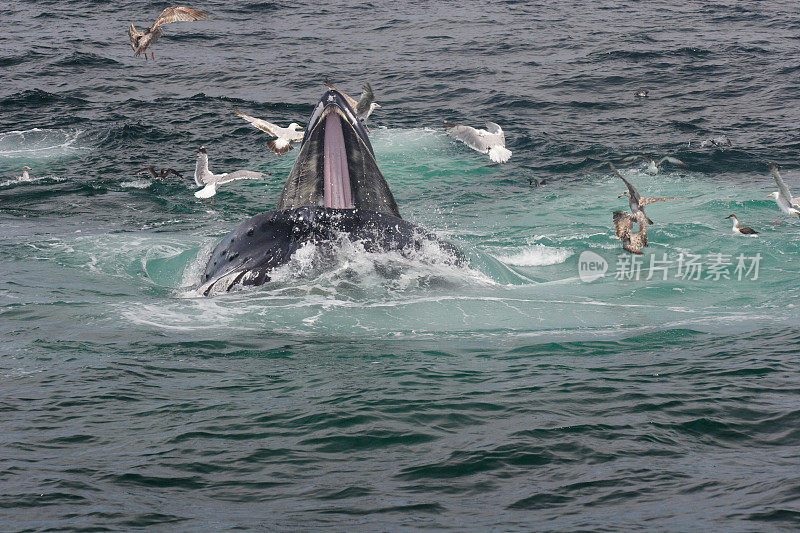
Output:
(335, 188)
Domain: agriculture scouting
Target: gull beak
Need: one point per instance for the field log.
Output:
(299, 128)
(377, 104)
(620, 196)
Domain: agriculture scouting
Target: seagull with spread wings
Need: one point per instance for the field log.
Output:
(204, 178)
(784, 199)
(141, 41)
(637, 201)
(284, 136)
(490, 141)
(654, 166)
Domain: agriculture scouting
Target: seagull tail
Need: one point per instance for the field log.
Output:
(273, 145)
(499, 154)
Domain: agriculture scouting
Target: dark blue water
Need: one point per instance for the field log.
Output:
(369, 391)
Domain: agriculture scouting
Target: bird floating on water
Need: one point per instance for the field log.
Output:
(738, 228)
(366, 103)
(204, 178)
(623, 226)
(654, 166)
(162, 173)
(284, 136)
(637, 201)
(490, 141)
(784, 199)
(538, 183)
(141, 41)
(641, 93)
(25, 176)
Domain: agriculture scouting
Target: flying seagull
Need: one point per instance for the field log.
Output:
(141, 41)
(637, 201)
(25, 176)
(204, 178)
(789, 205)
(623, 225)
(491, 140)
(738, 228)
(163, 173)
(285, 136)
(720, 142)
(654, 166)
(366, 103)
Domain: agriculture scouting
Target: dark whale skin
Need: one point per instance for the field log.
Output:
(258, 245)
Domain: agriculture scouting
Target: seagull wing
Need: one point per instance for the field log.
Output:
(784, 190)
(350, 101)
(623, 224)
(673, 160)
(632, 158)
(151, 170)
(634, 193)
(263, 125)
(646, 201)
(169, 171)
(135, 36)
(364, 101)
(240, 175)
(178, 14)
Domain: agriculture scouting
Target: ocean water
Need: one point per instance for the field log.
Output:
(367, 391)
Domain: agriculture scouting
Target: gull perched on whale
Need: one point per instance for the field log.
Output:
(490, 141)
(654, 166)
(366, 103)
(204, 178)
(623, 226)
(784, 199)
(637, 201)
(141, 41)
(285, 136)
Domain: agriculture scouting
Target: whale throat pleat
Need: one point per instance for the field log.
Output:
(338, 194)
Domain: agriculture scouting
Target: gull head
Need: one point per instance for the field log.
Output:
(733, 217)
(626, 194)
(774, 195)
(201, 150)
(374, 105)
(294, 126)
(26, 168)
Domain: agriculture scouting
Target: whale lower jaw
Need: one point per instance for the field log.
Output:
(248, 254)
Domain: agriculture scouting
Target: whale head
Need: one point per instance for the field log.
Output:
(336, 166)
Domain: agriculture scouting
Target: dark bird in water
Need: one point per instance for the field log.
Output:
(654, 166)
(641, 93)
(141, 41)
(538, 183)
(623, 225)
(365, 104)
(738, 228)
(637, 201)
(162, 173)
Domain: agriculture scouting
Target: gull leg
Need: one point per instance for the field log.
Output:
(152, 56)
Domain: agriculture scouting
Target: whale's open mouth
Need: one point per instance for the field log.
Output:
(336, 165)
